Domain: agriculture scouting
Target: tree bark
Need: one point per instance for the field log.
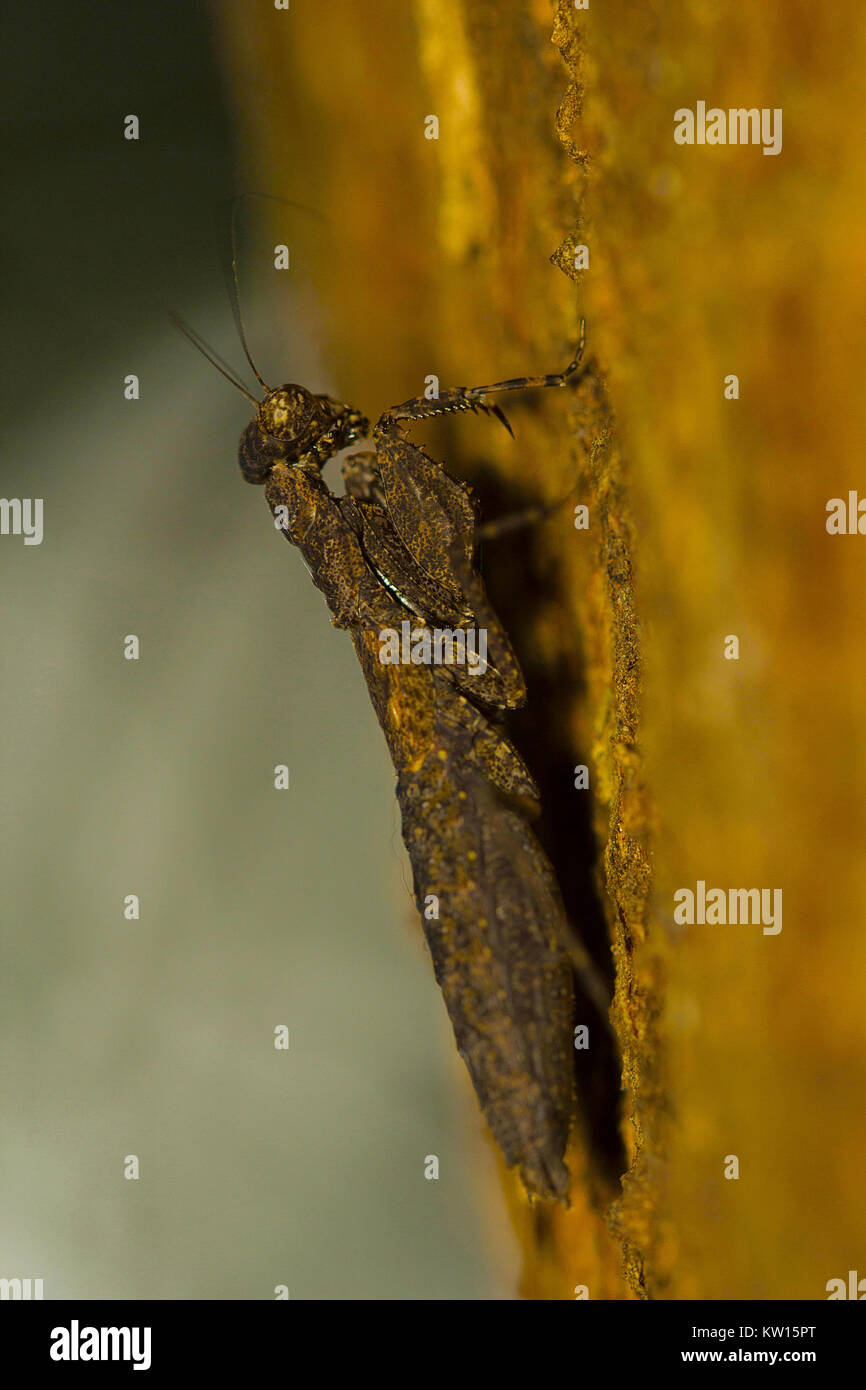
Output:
(458, 256)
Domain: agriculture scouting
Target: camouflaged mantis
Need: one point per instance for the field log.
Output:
(400, 544)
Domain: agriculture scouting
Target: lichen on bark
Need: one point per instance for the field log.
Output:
(457, 256)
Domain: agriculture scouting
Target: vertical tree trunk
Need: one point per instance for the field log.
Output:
(459, 256)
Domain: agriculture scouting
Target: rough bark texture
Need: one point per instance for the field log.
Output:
(556, 129)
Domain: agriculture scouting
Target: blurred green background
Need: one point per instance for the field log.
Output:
(155, 777)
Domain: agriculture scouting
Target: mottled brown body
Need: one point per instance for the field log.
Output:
(497, 953)
(399, 543)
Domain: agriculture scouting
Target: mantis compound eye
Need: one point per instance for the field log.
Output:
(258, 453)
